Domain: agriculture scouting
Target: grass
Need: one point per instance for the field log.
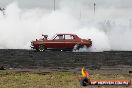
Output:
(15, 79)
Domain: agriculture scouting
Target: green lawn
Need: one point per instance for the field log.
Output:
(15, 79)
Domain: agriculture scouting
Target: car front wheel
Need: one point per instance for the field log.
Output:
(41, 48)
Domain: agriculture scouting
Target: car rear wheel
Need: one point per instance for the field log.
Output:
(78, 46)
(41, 48)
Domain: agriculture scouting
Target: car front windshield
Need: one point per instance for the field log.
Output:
(52, 38)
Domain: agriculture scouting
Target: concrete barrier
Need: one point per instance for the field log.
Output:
(17, 58)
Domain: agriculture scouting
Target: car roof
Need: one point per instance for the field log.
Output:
(65, 34)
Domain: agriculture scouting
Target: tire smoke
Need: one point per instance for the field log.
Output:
(18, 27)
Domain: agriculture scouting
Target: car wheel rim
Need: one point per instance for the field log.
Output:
(41, 48)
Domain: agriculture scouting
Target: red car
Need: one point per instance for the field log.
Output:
(61, 42)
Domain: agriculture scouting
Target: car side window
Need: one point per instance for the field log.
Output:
(59, 37)
(67, 37)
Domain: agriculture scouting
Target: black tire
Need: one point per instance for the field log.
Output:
(41, 48)
(85, 82)
(78, 46)
(2, 68)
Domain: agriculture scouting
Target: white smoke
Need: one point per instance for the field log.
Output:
(18, 27)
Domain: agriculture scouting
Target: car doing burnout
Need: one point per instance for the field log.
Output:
(61, 42)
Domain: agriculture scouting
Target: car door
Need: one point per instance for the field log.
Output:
(58, 42)
(70, 41)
